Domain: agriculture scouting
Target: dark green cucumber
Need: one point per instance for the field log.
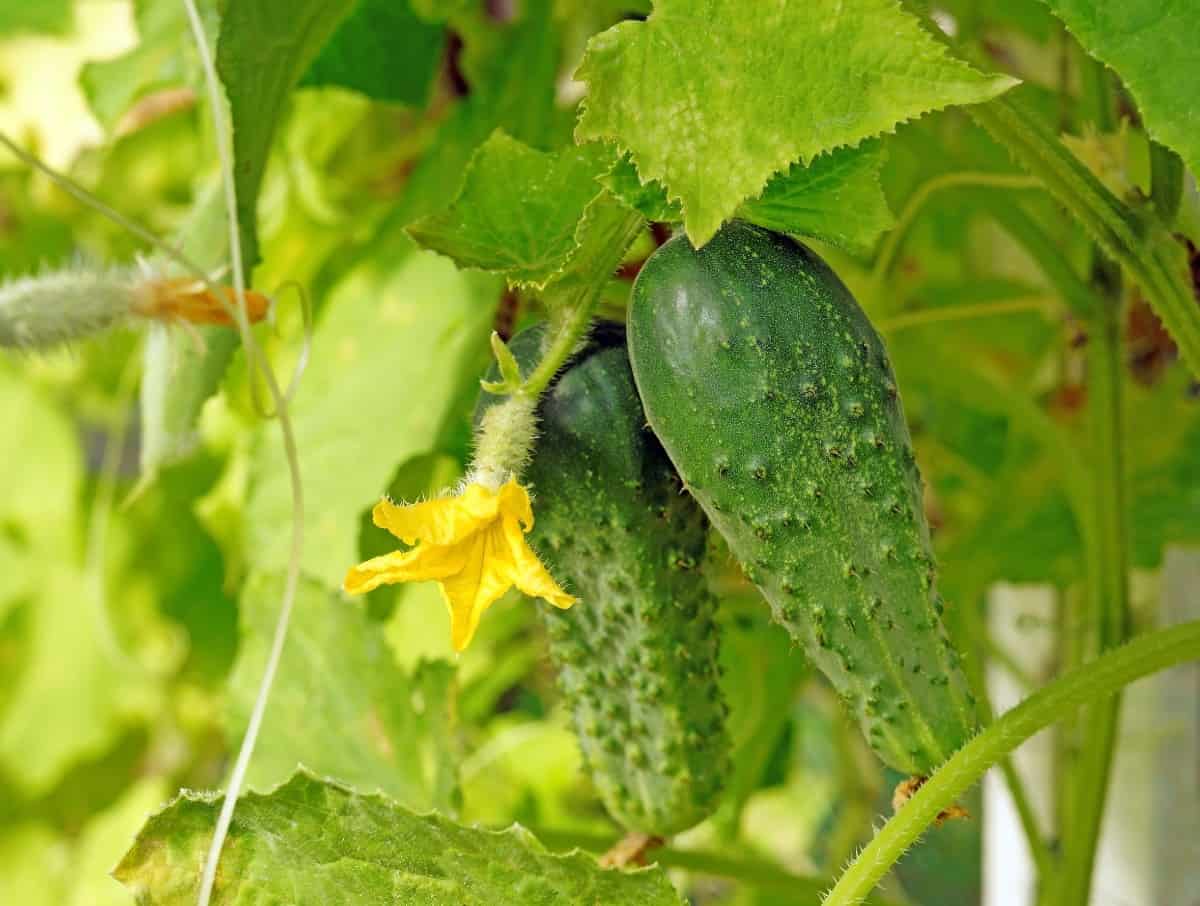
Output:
(637, 656)
(774, 398)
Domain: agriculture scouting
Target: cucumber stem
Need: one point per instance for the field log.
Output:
(1099, 679)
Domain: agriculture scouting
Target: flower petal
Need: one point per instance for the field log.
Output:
(514, 502)
(445, 520)
(482, 579)
(527, 571)
(417, 565)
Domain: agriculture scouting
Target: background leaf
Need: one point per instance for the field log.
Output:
(342, 706)
(402, 336)
(312, 842)
(382, 49)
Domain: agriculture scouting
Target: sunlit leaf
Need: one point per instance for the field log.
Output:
(713, 98)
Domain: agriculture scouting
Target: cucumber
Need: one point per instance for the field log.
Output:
(637, 656)
(773, 396)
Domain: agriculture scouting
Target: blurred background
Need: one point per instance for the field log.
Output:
(140, 564)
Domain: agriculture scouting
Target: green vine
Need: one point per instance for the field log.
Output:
(1106, 538)
(1101, 678)
(1140, 244)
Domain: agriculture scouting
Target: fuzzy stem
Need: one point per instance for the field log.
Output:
(1101, 678)
(504, 439)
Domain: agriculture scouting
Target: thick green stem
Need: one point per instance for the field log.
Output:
(1142, 246)
(1107, 597)
(1088, 684)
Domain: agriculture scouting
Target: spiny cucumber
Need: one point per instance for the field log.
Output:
(775, 400)
(637, 655)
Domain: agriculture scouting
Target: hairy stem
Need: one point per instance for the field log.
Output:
(1101, 678)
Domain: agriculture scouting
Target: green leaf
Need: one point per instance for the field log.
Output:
(341, 705)
(384, 50)
(43, 16)
(401, 337)
(313, 843)
(713, 98)
(441, 10)
(518, 210)
(512, 70)
(836, 199)
(1155, 49)
(263, 49)
(161, 58)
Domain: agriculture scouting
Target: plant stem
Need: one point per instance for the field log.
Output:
(952, 313)
(1107, 595)
(893, 241)
(1101, 678)
(1038, 850)
(1141, 245)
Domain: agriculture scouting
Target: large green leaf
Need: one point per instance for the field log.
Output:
(518, 210)
(714, 97)
(384, 50)
(341, 705)
(401, 336)
(837, 198)
(313, 843)
(264, 48)
(1155, 48)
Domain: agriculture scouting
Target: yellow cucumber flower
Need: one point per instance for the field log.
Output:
(473, 545)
